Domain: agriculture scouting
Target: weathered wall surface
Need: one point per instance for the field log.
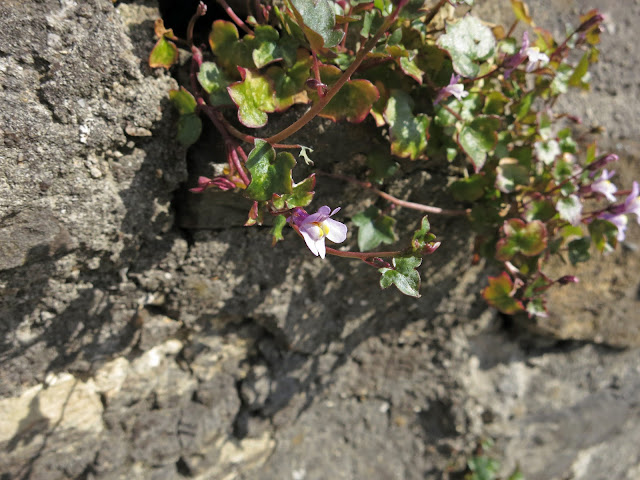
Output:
(145, 336)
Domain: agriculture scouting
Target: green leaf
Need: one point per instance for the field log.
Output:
(409, 67)
(381, 166)
(495, 103)
(468, 41)
(510, 174)
(413, 9)
(164, 54)
(498, 295)
(225, 44)
(423, 241)
(560, 83)
(604, 235)
(276, 231)
(183, 101)
(406, 60)
(529, 239)
(521, 11)
(300, 196)
(353, 101)
(467, 109)
(469, 189)
(570, 209)
(403, 275)
(521, 108)
(579, 250)
(270, 174)
(408, 132)
(289, 83)
(374, 228)
(478, 138)
(317, 19)
(254, 97)
(537, 308)
(580, 76)
(264, 45)
(189, 129)
(215, 83)
(542, 210)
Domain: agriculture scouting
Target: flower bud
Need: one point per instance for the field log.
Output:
(568, 279)
(602, 161)
(591, 22)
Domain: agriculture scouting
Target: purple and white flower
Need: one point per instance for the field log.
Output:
(536, 59)
(532, 54)
(603, 186)
(631, 203)
(453, 89)
(317, 227)
(617, 214)
(619, 220)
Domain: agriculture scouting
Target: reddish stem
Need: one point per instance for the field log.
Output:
(200, 12)
(239, 167)
(397, 201)
(364, 256)
(236, 19)
(323, 101)
(316, 73)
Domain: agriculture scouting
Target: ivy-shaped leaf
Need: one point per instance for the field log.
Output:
(374, 228)
(189, 124)
(408, 133)
(406, 59)
(570, 209)
(469, 189)
(264, 45)
(289, 83)
(300, 196)
(403, 275)
(183, 101)
(254, 97)
(579, 250)
(528, 239)
(423, 242)
(542, 210)
(276, 231)
(164, 54)
(604, 235)
(354, 100)
(499, 295)
(478, 138)
(381, 166)
(317, 19)
(270, 173)
(225, 44)
(510, 174)
(215, 83)
(189, 129)
(468, 41)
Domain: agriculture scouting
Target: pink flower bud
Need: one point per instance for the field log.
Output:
(568, 279)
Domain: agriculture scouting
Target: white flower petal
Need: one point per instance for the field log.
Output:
(311, 243)
(320, 246)
(337, 231)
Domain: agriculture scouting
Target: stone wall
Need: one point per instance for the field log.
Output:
(144, 336)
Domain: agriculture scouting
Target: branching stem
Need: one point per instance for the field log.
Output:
(335, 88)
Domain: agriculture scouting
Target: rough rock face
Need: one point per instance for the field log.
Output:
(144, 336)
